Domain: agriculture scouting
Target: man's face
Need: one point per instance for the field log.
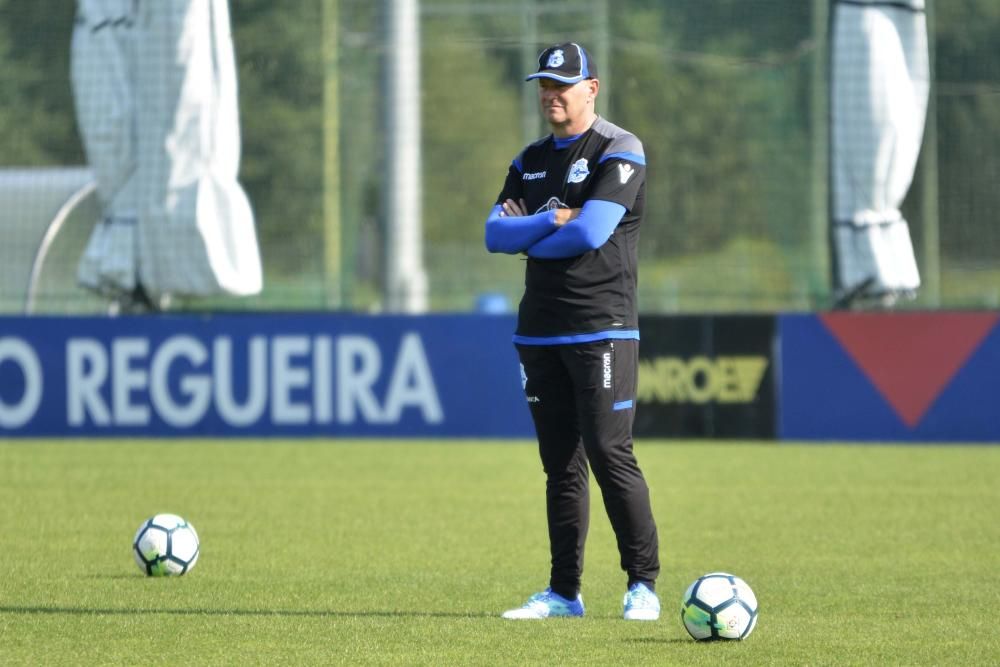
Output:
(564, 104)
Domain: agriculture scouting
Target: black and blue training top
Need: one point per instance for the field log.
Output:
(580, 279)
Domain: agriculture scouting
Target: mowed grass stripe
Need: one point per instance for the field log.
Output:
(405, 552)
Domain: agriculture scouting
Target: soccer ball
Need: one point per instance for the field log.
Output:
(165, 545)
(719, 606)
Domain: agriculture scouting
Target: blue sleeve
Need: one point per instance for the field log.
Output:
(514, 234)
(590, 230)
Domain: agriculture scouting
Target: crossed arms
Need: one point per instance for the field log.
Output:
(553, 234)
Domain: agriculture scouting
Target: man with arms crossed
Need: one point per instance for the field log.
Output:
(572, 203)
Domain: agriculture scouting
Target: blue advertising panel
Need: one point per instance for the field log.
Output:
(890, 376)
(261, 375)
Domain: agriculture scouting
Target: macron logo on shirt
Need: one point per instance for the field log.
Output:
(533, 175)
(625, 171)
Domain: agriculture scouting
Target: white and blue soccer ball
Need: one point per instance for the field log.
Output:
(719, 605)
(165, 545)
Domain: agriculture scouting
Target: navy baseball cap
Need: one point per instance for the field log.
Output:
(568, 63)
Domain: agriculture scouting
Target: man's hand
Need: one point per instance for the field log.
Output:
(514, 208)
(517, 208)
(564, 215)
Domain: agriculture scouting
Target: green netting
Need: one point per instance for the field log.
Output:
(729, 98)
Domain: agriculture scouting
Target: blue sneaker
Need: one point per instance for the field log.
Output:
(545, 605)
(641, 604)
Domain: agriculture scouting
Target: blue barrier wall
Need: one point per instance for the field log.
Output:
(890, 376)
(261, 375)
(836, 376)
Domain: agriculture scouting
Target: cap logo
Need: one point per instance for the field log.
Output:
(556, 59)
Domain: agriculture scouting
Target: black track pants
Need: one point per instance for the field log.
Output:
(582, 400)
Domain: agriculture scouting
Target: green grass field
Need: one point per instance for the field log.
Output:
(317, 552)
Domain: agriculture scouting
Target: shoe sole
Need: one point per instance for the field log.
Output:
(642, 616)
(515, 617)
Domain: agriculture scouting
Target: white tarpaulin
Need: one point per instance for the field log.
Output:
(155, 91)
(102, 69)
(880, 84)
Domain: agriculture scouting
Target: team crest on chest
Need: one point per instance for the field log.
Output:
(552, 204)
(578, 171)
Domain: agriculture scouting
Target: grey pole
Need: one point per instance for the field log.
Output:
(405, 289)
(931, 270)
(531, 122)
(602, 50)
(821, 249)
(332, 245)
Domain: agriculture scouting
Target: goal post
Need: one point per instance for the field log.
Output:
(35, 204)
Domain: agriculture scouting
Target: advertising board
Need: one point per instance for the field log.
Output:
(706, 376)
(261, 375)
(918, 376)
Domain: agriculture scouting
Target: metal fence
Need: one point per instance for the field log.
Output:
(730, 99)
